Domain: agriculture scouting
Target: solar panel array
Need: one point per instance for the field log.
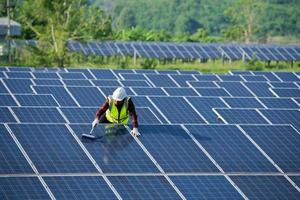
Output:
(233, 136)
(186, 51)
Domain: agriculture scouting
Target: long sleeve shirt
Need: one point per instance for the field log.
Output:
(131, 110)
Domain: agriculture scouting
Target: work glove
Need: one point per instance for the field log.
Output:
(135, 132)
(95, 122)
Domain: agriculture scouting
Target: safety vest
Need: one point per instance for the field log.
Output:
(113, 115)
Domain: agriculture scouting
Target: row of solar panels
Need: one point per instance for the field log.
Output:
(191, 51)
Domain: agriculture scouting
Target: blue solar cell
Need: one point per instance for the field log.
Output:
(205, 104)
(49, 82)
(202, 84)
(177, 110)
(142, 101)
(149, 91)
(36, 100)
(146, 116)
(59, 93)
(38, 115)
(72, 75)
(22, 188)
(135, 83)
(19, 86)
(84, 71)
(103, 74)
(19, 69)
(6, 115)
(69, 82)
(45, 75)
(52, 148)
(287, 76)
(145, 71)
(123, 71)
(254, 78)
(109, 90)
(266, 187)
(87, 96)
(269, 75)
(231, 149)
(281, 143)
(133, 76)
(283, 117)
(181, 79)
(205, 187)
(260, 89)
(241, 116)
(18, 74)
(116, 151)
(143, 187)
(207, 77)
(79, 115)
(279, 103)
(296, 179)
(230, 77)
(7, 100)
(161, 80)
(287, 92)
(174, 150)
(3, 68)
(12, 160)
(181, 92)
(283, 85)
(235, 89)
(108, 83)
(189, 72)
(167, 72)
(242, 102)
(212, 92)
(79, 187)
(1, 74)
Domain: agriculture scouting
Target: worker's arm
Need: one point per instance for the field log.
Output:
(132, 113)
(102, 109)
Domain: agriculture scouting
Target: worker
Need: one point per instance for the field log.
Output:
(117, 109)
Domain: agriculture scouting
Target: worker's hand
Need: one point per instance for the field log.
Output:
(95, 122)
(135, 132)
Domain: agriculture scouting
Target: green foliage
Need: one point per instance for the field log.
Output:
(148, 63)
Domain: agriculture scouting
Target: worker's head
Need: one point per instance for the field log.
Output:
(119, 95)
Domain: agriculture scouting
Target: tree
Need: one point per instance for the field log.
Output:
(245, 14)
(55, 22)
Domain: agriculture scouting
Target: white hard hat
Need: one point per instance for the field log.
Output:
(119, 94)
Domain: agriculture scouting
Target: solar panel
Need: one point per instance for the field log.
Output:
(236, 89)
(149, 91)
(174, 150)
(283, 117)
(87, 96)
(6, 115)
(283, 85)
(79, 187)
(188, 72)
(49, 82)
(230, 77)
(84, 71)
(266, 187)
(12, 160)
(254, 78)
(133, 76)
(203, 187)
(144, 187)
(167, 72)
(205, 84)
(181, 79)
(212, 92)
(19, 86)
(22, 188)
(177, 110)
(281, 143)
(296, 179)
(7, 100)
(19, 69)
(3, 90)
(279, 103)
(161, 80)
(52, 148)
(287, 76)
(146, 116)
(38, 115)
(135, 83)
(286, 92)
(79, 115)
(69, 82)
(237, 102)
(59, 93)
(207, 77)
(231, 149)
(18, 74)
(45, 75)
(107, 83)
(259, 89)
(269, 75)
(36, 100)
(116, 151)
(103, 74)
(180, 91)
(241, 72)
(241, 116)
(72, 75)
